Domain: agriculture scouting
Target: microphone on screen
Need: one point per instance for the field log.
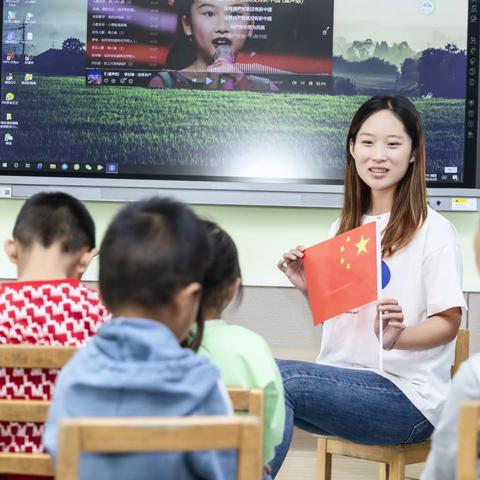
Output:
(226, 55)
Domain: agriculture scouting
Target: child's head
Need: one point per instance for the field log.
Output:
(204, 26)
(153, 260)
(56, 225)
(223, 277)
(386, 157)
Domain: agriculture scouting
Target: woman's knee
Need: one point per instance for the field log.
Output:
(293, 368)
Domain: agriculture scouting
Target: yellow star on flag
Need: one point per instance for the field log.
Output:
(362, 245)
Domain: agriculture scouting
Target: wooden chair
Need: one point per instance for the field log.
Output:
(28, 356)
(392, 458)
(248, 401)
(121, 435)
(468, 430)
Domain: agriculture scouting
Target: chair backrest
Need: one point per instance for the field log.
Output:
(34, 356)
(121, 435)
(462, 349)
(468, 429)
(29, 356)
(248, 401)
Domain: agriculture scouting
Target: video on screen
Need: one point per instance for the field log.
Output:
(212, 44)
(236, 90)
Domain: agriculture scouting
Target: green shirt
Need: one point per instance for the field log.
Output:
(245, 361)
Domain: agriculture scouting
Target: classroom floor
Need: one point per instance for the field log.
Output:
(301, 462)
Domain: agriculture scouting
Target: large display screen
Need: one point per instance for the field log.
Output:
(229, 90)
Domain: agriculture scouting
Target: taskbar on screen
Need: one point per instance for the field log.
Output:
(451, 177)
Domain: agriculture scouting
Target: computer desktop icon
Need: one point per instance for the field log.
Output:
(94, 77)
(112, 168)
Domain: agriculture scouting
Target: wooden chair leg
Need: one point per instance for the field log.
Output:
(396, 469)
(324, 460)
(383, 471)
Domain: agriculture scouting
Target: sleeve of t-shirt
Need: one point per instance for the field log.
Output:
(332, 231)
(443, 277)
(442, 458)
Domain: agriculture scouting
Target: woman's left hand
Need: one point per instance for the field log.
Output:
(393, 326)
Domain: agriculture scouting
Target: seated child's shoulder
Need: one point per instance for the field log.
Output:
(36, 304)
(244, 336)
(45, 288)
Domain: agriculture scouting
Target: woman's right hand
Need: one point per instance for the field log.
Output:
(292, 266)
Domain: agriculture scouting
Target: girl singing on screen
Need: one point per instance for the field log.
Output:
(210, 34)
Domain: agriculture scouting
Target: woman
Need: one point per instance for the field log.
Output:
(344, 393)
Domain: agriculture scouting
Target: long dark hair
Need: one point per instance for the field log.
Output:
(409, 209)
(223, 270)
(183, 51)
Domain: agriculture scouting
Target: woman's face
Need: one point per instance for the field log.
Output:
(215, 23)
(382, 151)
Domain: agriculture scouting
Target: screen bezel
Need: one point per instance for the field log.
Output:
(288, 192)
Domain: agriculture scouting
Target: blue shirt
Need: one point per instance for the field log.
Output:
(136, 368)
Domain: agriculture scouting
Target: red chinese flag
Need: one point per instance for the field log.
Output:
(341, 273)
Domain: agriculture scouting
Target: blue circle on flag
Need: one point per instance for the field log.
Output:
(386, 275)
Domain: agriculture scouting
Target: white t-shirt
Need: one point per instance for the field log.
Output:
(426, 278)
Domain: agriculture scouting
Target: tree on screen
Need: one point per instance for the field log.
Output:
(73, 45)
(395, 54)
(441, 72)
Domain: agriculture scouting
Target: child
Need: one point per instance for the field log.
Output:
(344, 393)
(53, 243)
(442, 459)
(210, 34)
(152, 264)
(441, 462)
(243, 357)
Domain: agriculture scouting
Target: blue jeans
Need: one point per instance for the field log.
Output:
(358, 405)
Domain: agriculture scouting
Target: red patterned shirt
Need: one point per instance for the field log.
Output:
(59, 312)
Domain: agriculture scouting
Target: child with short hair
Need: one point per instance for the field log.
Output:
(243, 357)
(52, 245)
(153, 261)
